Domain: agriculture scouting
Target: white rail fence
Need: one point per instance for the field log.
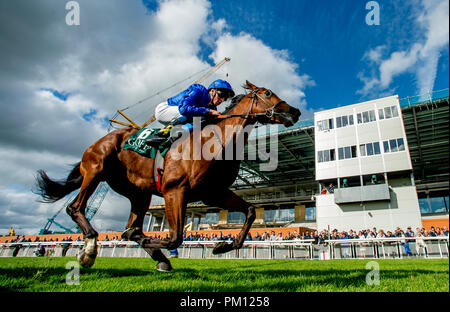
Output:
(379, 248)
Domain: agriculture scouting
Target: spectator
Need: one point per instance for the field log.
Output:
(405, 243)
(257, 237)
(331, 188)
(381, 234)
(409, 232)
(345, 183)
(420, 245)
(307, 236)
(373, 180)
(279, 237)
(432, 232)
(272, 236)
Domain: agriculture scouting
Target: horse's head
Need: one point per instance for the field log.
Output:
(267, 107)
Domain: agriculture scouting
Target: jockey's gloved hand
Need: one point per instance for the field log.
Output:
(214, 113)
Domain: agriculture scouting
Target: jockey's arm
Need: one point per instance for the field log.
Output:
(189, 106)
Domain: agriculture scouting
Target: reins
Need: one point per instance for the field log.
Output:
(268, 108)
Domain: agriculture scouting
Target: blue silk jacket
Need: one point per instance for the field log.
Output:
(193, 101)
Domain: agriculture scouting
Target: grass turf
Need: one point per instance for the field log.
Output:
(192, 275)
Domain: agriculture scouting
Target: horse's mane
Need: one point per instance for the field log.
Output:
(234, 102)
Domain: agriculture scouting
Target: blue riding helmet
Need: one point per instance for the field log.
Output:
(222, 85)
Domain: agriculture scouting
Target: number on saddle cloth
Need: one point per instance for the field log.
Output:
(137, 143)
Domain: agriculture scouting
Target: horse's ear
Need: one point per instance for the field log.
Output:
(250, 85)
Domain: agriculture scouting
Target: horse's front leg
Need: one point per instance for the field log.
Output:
(133, 232)
(175, 208)
(232, 202)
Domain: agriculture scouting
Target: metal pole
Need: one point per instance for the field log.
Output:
(149, 221)
(162, 222)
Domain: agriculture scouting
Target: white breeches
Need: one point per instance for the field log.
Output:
(166, 114)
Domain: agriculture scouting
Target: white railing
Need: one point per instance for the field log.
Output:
(381, 248)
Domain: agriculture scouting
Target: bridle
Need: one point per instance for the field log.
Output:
(258, 99)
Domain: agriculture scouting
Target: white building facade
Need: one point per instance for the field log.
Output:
(364, 167)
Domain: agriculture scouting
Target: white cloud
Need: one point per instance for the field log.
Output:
(102, 75)
(421, 58)
(253, 60)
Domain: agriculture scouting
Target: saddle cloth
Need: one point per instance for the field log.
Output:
(137, 143)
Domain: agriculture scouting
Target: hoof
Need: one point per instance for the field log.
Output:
(87, 255)
(164, 267)
(222, 247)
(85, 260)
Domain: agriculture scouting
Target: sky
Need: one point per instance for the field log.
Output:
(59, 83)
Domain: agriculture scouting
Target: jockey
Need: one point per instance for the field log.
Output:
(195, 101)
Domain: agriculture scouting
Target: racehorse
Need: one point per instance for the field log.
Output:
(185, 180)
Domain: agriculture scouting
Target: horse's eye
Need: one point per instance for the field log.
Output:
(268, 93)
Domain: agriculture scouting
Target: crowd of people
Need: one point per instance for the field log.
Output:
(317, 236)
(321, 236)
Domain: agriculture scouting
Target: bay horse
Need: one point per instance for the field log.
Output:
(184, 180)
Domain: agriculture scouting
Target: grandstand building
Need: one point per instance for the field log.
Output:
(386, 159)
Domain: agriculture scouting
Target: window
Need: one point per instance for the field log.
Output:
(236, 217)
(394, 111)
(210, 218)
(344, 121)
(424, 205)
(326, 124)
(434, 204)
(400, 144)
(320, 154)
(362, 150)
(341, 153)
(286, 215)
(386, 146)
(310, 213)
(330, 124)
(366, 117)
(327, 155)
(347, 152)
(393, 145)
(270, 215)
(376, 148)
(354, 151)
(387, 112)
(437, 204)
(369, 149)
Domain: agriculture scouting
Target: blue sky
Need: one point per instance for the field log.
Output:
(328, 41)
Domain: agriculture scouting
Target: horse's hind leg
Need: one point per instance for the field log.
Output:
(139, 206)
(77, 210)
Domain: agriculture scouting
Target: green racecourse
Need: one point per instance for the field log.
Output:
(199, 275)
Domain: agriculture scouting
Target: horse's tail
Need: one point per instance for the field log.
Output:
(52, 191)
